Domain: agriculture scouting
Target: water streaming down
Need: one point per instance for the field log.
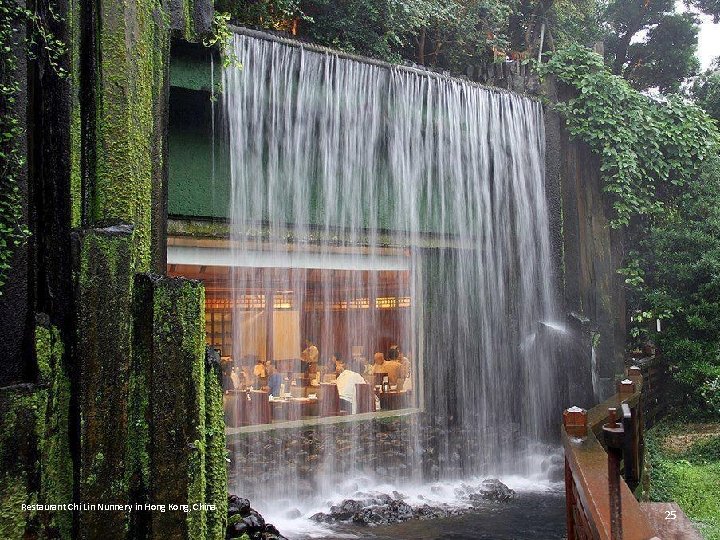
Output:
(333, 163)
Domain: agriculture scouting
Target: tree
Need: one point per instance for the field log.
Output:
(706, 90)
(646, 63)
(667, 55)
(679, 262)
(270, 14)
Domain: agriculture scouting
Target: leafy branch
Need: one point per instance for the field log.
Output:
(648, 148)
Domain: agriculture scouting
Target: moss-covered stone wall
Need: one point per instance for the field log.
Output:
(56, 464)
(35, 461)
(216, 476)
(99, 411)
(177, 459)
(105, 280)
(129, 73)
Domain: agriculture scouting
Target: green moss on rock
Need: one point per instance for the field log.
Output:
(56, 467)
(104, 351)
(216, 477)
(131, 72)
(35, 460)
(21, 423)
(178, 446)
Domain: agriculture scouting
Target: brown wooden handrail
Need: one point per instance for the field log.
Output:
(592, 469)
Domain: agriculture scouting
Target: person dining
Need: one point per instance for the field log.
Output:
(309, 356)
(389, 367)
(404, 381)
(346, 381)
(274, 380)
(260, 373)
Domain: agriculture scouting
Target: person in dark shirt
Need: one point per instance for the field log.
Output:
(274, 380)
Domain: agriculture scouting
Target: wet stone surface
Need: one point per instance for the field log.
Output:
(528, 515)
(381, 509)
(242, 519)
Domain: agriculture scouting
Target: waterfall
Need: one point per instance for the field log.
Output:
(339, 164)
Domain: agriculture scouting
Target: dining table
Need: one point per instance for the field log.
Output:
(294, 408)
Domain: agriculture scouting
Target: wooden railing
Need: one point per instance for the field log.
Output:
(603, 465)
(657, 388)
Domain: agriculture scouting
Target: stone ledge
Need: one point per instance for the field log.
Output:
(235, 433)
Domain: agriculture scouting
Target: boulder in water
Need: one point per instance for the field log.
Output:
(244, 522)
(393, 512)
(431, 512)
(237, 505)
(493, 489)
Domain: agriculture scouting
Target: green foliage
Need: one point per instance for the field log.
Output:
(39, 43)
(576, 21)
(13, 231)
(448, 35)
(271, 14)
(706, 90)
(650, 44)
(221, 37)
(648, 149)
(690, 478)
(666, 56)
(680, 257)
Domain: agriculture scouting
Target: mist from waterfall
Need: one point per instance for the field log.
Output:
(336, 161)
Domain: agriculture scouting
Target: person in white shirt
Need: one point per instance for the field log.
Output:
(346, 381)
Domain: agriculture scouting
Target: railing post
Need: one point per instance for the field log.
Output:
(614, 432)
(575, 423)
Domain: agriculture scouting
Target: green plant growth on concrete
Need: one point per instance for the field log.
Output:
(35, 460)
(13, 230)
(73, 24)
(105, 281)
(648, 148)
(685, 468)
(131, 78)
(20, 425)
(178, 440)
(216, 477)
(56, 467)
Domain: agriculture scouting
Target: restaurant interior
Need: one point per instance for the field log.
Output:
(303, 343)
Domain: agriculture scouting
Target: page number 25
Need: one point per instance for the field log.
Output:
(670, 514)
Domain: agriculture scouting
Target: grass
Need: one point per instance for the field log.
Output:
(685, 468)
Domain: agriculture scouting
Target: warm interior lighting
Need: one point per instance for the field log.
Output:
(360, 303)
(385, 302)
(283, 301)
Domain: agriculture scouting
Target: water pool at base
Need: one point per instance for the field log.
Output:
(537, 512)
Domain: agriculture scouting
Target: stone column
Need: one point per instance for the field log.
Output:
(105, 277)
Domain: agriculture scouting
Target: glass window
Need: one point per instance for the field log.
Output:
(306, 343)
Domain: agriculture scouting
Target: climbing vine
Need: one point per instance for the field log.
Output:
(648, 147)
(13, 231)
(39, 40)
(221, 37)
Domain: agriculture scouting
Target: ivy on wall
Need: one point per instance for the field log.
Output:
(13, 231)
(39, 41)
(648, 148)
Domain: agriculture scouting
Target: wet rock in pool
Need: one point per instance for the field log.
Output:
(493, 489)
(237, 505)
(431, 512)
(322, 517)
(244, 520)
(345, 510)
(393, 512)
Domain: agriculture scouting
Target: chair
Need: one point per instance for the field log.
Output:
(259, 409)
(365, 398)
(328, 399)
